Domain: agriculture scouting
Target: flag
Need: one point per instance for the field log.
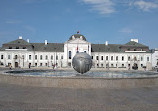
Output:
(78, 32)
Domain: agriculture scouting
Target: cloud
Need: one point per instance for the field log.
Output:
(30, 29)
(145, 6)
(102, 6)
(33, 1)
(12, 21)
(126, 30)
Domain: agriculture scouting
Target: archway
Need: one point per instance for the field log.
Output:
(16, 64)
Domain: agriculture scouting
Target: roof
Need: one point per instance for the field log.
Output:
(106, 48)
(77, 36)
(50, 47)
(132, 43)
(19, 41)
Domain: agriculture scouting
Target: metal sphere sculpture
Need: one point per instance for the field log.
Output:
(82, 62)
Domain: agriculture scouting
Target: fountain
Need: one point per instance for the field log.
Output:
(82, 62)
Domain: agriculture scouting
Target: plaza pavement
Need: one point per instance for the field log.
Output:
(27, 98)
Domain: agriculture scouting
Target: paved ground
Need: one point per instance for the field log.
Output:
(20, 98)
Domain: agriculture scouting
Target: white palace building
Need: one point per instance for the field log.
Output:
(23, 54)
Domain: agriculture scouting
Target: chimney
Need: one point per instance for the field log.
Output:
(20, 37)
(28, 40)
(134, 40)
(106, 43)
(46, 42)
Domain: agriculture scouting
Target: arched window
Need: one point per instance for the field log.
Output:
(46, 57)
(135, 58)
(147, 58)
(122, 58)
(69, 54)
(117, 58)
(51, 57)
(40, 57)
(16, 56)
(129, 58)
(141, 58)
(112, 58)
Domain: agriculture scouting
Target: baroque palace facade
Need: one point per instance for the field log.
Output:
(23, 54)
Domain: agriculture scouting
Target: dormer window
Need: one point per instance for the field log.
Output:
(17, 47)
(73, 37)
(10, 47)
(81, 37)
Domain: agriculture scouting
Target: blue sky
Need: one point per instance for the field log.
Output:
(116, 21)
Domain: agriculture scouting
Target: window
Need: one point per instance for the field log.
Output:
(51, 57)
(97, 65)
(122, 65)
(85, 51)
(97, 57)
(135, 49)
(56, 57)
(10, 47)
(17, 47)
(102, 58)
(112, 65)
(46, 57)
(101, 65)
(122, 58)
(112, 58)
(141, 65)
(107, 65)
(106, 57)
(135, 58)
(128, 49)
(24, 47)
(62, 57)
(29, 57)
(69, 64)
(23, 57)
(40, 64)
(92, 57)
(141, 58)
(16, 56)
(8, 56)
(35, 57)
(129, 58)
(147, 58)
(40, 57)
(46, 64)
(117, 58)
(36, 64)
(69, 54)
(1, 56)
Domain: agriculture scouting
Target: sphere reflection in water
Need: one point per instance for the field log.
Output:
(82, 62)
